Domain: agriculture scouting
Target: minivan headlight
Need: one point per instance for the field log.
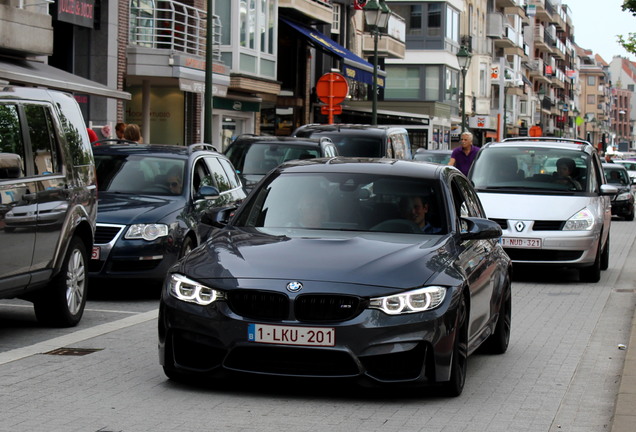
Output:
(582, 221)
(187, 290)
(419, 300)
(148, 232)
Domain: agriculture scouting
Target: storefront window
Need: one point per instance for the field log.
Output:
(403, 82)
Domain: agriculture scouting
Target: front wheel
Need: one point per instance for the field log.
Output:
(61, 303)
(593, 272)
(459, 362)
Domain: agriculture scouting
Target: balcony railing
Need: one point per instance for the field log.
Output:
(173, 26)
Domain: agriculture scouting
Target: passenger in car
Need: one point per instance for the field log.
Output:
(564, 172)
(416, 209)
(313, 211)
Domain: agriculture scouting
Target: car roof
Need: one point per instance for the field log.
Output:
(289, 140)
(614, 166)
(396, 167)
(544, 142)
(348, 128)
(155, 149)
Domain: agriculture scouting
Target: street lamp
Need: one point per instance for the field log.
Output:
(376, 15)
(463, 58)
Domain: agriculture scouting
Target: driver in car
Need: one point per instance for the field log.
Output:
(564, 171)
(416, 210)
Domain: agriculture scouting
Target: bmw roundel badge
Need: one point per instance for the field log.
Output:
(294, 286)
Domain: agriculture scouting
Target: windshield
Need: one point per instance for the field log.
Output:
(262, 158)
(439, 158)
(139, 174)
(616, 176)
(350, 202)
(549, 169)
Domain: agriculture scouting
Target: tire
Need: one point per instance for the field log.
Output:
(630, 216)
(593, 272)
(459, 362)
(186, 247)
(498, 342)
(605, 255)
(62, 302)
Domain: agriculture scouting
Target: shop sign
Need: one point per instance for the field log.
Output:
(481, 122)
(78, 12)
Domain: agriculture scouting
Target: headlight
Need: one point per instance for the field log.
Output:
(420, 300)
(623, 196)
(190, 291)
(582, 221)
(147, 232)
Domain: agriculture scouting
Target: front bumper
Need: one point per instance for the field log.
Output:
(372, 346)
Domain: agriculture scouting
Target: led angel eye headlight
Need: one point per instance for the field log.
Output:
(419, 300)
(190, 291)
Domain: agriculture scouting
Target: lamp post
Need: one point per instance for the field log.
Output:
(376, 15)
(463, 58)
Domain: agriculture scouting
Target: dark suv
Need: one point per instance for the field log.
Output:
(254, 155)
(358, 140)
(156, 203)
(48, 203)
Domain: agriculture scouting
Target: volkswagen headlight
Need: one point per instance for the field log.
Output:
(147, 232)
(187, 290)
(419, 300)
(582, 221)
(623, 196)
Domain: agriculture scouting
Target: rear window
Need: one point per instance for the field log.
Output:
(262, 158)
(350, 145)
(549, 169)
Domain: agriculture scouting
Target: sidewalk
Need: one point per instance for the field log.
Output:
(625, 409)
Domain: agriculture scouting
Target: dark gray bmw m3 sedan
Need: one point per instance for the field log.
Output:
(377, 269)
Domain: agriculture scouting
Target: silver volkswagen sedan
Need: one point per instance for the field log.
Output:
(551, 199)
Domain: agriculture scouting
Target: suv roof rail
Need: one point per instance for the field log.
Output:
(201, 146)
(553, 139)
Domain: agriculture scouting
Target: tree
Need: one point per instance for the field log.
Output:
(629, 41)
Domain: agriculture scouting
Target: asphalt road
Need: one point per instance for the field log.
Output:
(561, 372)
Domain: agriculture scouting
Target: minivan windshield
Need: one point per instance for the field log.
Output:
(535, 168)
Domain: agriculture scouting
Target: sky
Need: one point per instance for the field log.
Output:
(596, 24)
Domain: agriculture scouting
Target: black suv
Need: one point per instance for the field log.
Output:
(156, 203)
(48, 202)
(254, 156)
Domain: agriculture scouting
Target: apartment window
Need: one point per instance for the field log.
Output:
(335, 25)
(483, 80)
(452, 24)
(434, 19)
(451, 85)
(403, 82)
(247, 20)
(591, 99)
(591, 80)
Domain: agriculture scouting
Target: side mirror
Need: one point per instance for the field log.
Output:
(218, 217)
(472, 228)
(208, 192)
(607, 189)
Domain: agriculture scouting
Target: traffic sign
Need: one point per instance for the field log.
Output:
(332, 88)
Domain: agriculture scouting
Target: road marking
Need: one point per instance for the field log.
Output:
(75, 337)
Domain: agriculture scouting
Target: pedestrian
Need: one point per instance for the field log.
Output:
(608, 158)
(119, 130)
(462, 157)
(132, 133)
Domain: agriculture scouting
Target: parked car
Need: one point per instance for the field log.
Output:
(362, 140)
(435, 156)
(48, 203)
(254, 156)
(547, 218)
(156, 203)
(623, 201)
(318, 275)
(630, 165)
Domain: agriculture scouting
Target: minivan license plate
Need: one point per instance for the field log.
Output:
(514, 242)
(291, 335)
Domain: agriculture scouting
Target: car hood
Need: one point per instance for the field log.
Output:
(128, 209)
(377, 259)
(535, 207)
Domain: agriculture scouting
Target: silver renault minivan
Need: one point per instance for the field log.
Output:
(551, 199)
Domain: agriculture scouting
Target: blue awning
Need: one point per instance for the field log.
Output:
(353, 67)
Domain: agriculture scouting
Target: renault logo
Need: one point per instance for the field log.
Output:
(294, 286)
(519, 226)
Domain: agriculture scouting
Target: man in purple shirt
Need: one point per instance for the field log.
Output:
(462, 157)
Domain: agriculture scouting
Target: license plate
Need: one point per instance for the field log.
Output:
(95, 253)
(529, 243)
(291, 335)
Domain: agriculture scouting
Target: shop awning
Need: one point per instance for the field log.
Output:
(354, 67)
(33, 73)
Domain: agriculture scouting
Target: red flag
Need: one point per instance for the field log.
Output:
(359, 4)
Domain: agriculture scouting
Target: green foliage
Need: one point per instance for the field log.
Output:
(629, 41)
